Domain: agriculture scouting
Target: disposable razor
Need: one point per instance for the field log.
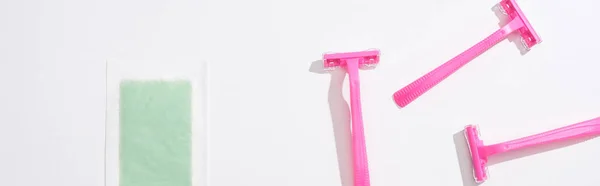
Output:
(518, 23)
(353, 61)
(480, 152)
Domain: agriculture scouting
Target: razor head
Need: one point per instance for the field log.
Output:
(529, 37)
(478, 160)
(367, 59)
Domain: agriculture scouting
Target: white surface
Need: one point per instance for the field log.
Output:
(195, 72)
(270, 119)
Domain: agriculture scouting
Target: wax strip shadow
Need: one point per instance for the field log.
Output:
(514, 37)
(340, 119)
(464, 157)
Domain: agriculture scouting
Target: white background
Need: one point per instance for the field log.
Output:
(270, 121)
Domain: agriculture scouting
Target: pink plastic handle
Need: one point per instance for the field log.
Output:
(360, 161)
(579, 130)
(418, 87)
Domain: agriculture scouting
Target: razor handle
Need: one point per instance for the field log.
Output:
(360, 161)
(575, 131)
(418, 87)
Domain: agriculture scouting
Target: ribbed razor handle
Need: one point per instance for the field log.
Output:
(418, 87)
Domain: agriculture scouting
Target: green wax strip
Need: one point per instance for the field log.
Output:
(155, 126)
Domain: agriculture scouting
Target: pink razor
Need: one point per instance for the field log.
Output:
(518, 23)
(480, 152)
(353, 61)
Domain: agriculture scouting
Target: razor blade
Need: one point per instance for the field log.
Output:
(529, 37)
(366, 59)
(478, 159)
